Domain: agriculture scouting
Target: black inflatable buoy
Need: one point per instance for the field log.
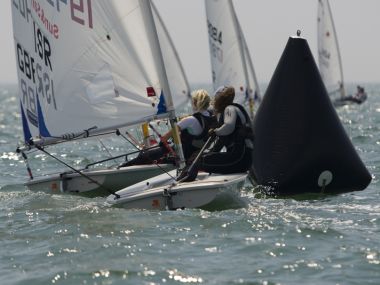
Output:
(301, 146)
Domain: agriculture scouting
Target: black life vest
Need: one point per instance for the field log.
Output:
(190, 142)
(241, 132)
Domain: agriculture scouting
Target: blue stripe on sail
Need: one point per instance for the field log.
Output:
(161, 108)
(25, 126)
(41, 122)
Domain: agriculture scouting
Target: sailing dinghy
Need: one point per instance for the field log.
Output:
(163, 191)
(231, 62)
(211, 192)
(85, 70)
(330, 61)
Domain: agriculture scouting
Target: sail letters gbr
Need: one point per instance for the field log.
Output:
(36, 34)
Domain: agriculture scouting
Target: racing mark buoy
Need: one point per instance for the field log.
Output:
(300, 143)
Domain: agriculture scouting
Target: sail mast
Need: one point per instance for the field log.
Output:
(242, 55)
(341, 87)
(250, 64)
(156, 49)
(182, 70)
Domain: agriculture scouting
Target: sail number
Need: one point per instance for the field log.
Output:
(324, 56)
(22, 7)
(80, 12)
(216, 41)
(36, 75)
(214, 33)
(42, 46)
(81, 9)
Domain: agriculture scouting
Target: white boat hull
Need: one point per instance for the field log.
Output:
(110, 180)
(162, 192)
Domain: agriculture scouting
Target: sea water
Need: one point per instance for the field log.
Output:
(66, 239)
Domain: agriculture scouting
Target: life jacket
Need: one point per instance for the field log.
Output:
(242, 131)
(192, 142)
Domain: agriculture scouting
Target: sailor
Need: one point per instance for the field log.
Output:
(359, 97)
(193, 132)
(235, 134)
(194, 129)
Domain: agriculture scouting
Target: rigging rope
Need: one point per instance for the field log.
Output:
(79, 172)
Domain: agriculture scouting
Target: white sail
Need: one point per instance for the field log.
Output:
(330, 63)
(252, 79)
(230, 60)
(85, 67)
(179, 85)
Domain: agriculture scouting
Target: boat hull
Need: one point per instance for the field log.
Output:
(349, 100)
(210, 192)
(109, 179)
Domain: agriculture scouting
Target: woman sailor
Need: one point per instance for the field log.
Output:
(193, 129)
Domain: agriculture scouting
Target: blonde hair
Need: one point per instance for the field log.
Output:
(201, 99)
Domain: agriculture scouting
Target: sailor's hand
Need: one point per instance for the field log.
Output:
(211, 133)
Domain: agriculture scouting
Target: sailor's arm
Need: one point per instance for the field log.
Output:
(228, 126)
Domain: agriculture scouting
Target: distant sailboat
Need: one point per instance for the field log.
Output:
(230, 58)
(88, 70)
(330, 61)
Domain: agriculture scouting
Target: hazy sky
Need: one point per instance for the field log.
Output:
(266, 24)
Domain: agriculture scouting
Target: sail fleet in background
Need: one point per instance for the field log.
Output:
(330, 60)
(122, 70)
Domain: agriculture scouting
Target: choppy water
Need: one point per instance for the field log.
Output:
(56, 239)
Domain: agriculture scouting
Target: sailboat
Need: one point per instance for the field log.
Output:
(164, 191)
(88, 70)
(330, 61)
(231, 62)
